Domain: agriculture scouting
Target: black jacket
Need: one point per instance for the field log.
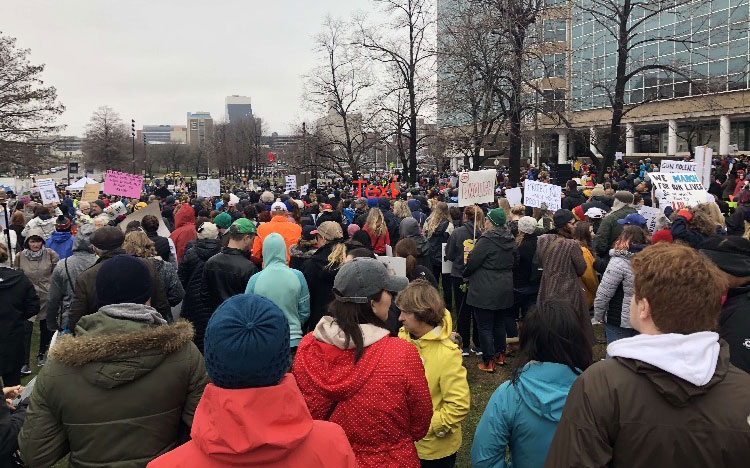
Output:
(734, 326)
(392, 222)
(572, 199)
(454, 251)
(161, 244)
(438, 238)
(225, 275)
(320, 284)
(10, 426)
(190, 272)
(19, 302)
(527, 273)
(489, 270)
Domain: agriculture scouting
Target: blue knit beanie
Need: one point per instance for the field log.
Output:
(247, 343)
(372, 202)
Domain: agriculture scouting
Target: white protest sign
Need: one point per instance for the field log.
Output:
(514, 196)
(447, 264)
(388, 250)
(703, 157)
(680, 189)
(395, 265)
(535, 193)
(47, 191)
(677, 166)
(618, 155)
(290, 182)
(116, 209)
(151, 209)
(209, 188)
(303, 190)
(651, 215)
(476, 187)
(234, 198)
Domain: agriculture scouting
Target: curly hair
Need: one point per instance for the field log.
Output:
(401, 209)
(139, 245)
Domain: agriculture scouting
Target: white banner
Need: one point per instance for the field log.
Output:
(535, 193)
(514, 196)
(476, 187)
(290, 182)
(209, 188)
(47, 191)
(651, 215)
(680, 189)
(677, 166)
(303, 190)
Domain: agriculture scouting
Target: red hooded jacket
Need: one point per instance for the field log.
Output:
(384, 402)
(266, 426)
(184, 232)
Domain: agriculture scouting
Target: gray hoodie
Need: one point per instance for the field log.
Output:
(64, 278)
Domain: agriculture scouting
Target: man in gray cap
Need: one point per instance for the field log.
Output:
(610, 229)
(107, 242)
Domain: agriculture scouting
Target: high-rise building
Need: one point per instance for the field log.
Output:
(237, 108)
(157, 134)
(200, 126)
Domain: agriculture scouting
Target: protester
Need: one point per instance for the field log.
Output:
(352, 373)
(562, 265)
(138, 244)
(409, 229)
(321, 268)
(61, 241)
(406, 248)
(489, 274)
(41, 221)
(11, 420)
(17, 225)
(670, 386)
(20, 303)
(427, 324)
(692, 226)
(610, 229)
(522, 414)
(64, 276)
(164, 246)
(438, 229)
(184, 230)
(252, 413)
(37, 262)
(526, 274)
(376, 228)
(279, 224)
(583, 234)
(305, 247)
(573, 197)
(391, 220)
(284, 286)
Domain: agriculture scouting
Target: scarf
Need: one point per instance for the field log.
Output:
(34, 256)
(134, 312)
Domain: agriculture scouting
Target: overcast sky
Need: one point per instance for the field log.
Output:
(156, 60)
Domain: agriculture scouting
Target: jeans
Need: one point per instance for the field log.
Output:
(492, 331)
(524, 298)
(445, 462)
(464, 317)
(614, 333)
(45, 336)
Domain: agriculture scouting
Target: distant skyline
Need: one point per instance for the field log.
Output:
(155, 61)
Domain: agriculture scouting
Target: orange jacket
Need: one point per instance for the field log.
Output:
(291, 232)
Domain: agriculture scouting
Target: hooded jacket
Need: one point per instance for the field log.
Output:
(291, 232)
(458, 247)
(265, 426)
(381, 401)
(489, 270)
(572, 199)
(283, 286)
(184, 230)
(116, 394)
(409, 229)
(64, 277)
(449, 389)
(522, 416)
(665, 400)
(45, 223)
(416, 212)
(19, 302)
(194, 307)
(62, 243)
(39, 271)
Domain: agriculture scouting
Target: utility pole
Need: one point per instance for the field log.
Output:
(132, 135)
(145, 156)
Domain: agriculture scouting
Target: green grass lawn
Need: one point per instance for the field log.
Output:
(482, 384)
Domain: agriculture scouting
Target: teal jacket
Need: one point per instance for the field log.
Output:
(283, 286)
(523, 417)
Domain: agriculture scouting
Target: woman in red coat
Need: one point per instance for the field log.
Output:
(184, 229)
(377, 229)
(352, 373)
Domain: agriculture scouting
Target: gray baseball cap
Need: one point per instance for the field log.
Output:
(363, 277)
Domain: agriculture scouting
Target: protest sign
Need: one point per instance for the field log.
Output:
(618, 155)
(535, 193)
(303, 190)
(209, 188)
(151, 209)
(476, 187)
(290, 182)
(123, 184)
(116, 209)
(395, 265)
(651, 215)
(91, 192)
(679, 189)
(514, 196)
(234, 198)
(388, 250)
(47, 191)
(676, 166)
(703, 160)
(447, 264)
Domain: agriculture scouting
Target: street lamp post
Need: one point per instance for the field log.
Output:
(132, 134)
(68, 153)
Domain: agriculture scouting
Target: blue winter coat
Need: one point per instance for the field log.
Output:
(61, 243)
(523, 417)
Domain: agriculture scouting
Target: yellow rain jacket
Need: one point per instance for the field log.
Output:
(446, 377)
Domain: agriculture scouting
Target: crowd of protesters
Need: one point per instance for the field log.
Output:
(261, 327)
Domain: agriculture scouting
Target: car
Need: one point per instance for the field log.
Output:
(45, 172)
(53, 170)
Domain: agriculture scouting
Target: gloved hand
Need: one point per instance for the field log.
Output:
(685, 214)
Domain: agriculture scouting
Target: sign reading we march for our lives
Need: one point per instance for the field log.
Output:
(680, 189)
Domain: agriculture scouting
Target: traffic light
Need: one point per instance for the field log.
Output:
(132, 128)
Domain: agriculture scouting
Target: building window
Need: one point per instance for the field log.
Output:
(553, 100)
(554, 65)
(554, 30)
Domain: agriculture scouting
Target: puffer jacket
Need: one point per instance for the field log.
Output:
(117, 394)
(489, 270)
(381, 401)
(409, 229)
(44, 223)
(265, 426)
(64, 277)
(190, 272)
(449, 389)
(610, 230)
(184, 230)
(616, 290)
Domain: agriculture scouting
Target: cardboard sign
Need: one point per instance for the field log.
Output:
(651, 215)
(151, 209)
(395, 265)
(514, 196)
(91, 192)
(209, 188)
(123, 184)
(676, 166)
(535, 193)
(47, 191)
(290, 182)
(476, 187)
(446, 264)
(679, 189)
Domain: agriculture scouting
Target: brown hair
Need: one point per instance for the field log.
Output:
(18, 219)
(424, 301)
(631, 235)
(3, 253)
(138, 244)
(407, 248)
(668, 274)
(582, 233)
(472, 213)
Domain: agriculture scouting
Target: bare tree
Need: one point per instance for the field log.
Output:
(236, 146)
(28, 109)
(106, 140)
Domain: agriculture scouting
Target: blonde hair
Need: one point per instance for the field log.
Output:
(138, 244)
(713, 212)
(401, 209)
(376, 222)
(505, 205)
(439, 214)
(337, 255)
